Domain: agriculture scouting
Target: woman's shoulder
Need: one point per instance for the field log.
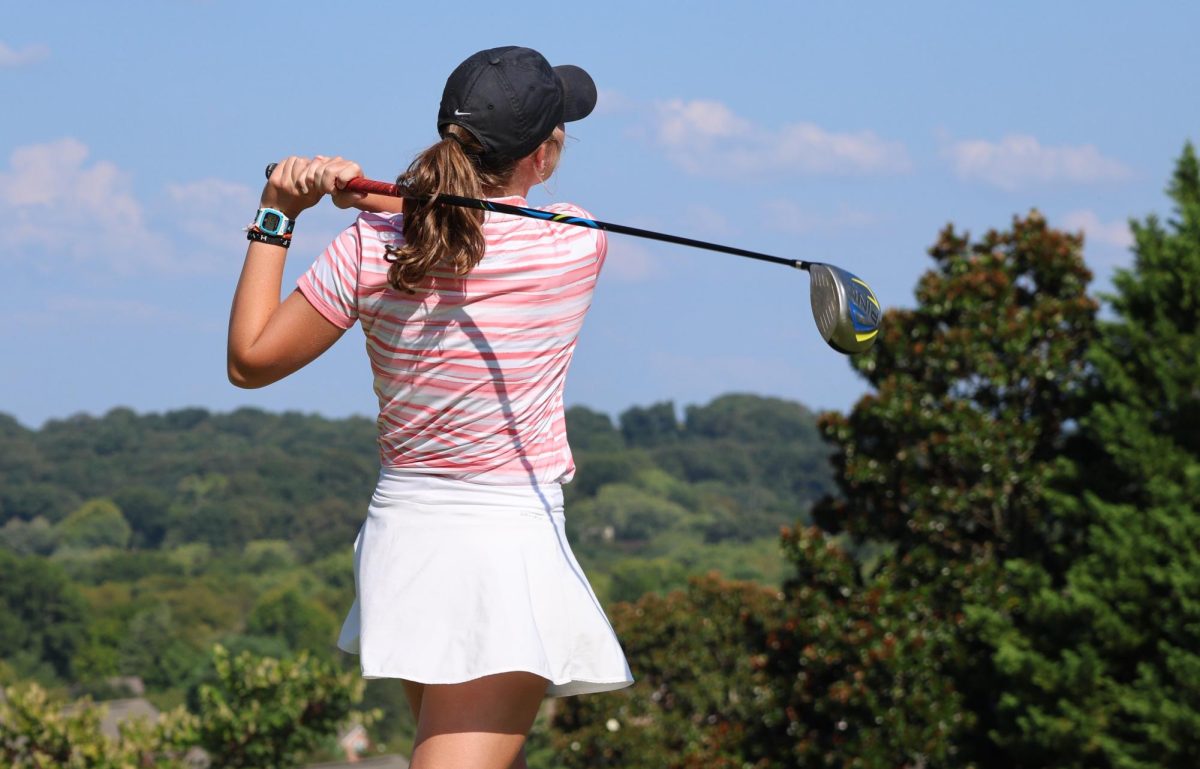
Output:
(583, 229)
(570, 209)
(376, 231)
(369, 220)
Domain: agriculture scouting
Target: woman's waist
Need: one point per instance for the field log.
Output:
(435, 492)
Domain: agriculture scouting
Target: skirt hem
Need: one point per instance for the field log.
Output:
(565, 687)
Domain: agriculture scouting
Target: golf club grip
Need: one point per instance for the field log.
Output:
(362, 184)
(394, 190)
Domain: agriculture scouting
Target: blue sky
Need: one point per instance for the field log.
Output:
(134, 137)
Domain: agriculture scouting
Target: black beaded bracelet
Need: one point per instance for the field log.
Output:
(262, 237)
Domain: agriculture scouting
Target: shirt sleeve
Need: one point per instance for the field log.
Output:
(599, 237)
(331, 284)
(601, 249)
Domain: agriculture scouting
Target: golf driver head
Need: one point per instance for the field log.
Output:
(845, 308)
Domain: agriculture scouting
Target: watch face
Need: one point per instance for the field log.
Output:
(271, 222)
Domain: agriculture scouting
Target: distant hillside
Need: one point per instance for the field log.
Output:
(734, 469)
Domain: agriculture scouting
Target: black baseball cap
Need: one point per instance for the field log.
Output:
(511, 99)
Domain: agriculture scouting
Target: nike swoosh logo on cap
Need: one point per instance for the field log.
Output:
(457, 113)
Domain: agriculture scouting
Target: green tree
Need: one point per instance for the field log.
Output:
(42, 616)
(590, 430)
(35, 537)
(297, 619)
(631, 578)
(623, 513)
(38, 731)
(265, 555)
(780, 440)
(697, 657)
(1103, 667)
(596, 469)
(266, 713)
(862, 667)
(156, 648)
(252, 713)
(650, 426)
(98, 523)
(20, 498)
(146, 510)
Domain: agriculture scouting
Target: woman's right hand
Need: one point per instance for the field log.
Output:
(298, 184)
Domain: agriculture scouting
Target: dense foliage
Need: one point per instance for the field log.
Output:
(269, 713)
(254, 713)
(39, 731)
(700, 682)
(185, 478)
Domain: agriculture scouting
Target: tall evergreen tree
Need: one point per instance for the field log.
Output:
(1104, 669)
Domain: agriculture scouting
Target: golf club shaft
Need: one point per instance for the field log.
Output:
(394, 190)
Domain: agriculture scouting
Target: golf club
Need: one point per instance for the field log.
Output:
(844, 306)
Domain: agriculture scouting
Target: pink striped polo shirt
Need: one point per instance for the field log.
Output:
(469, 371)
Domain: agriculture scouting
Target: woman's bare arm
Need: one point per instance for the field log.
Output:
(269, 338)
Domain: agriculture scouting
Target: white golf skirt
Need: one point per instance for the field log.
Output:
(457, 580)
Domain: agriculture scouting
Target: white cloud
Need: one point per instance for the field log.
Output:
(707, 138)
(1019, 160)
(700, 122)
(1115, 233)
(787, 216)
(59, 204)
(10, 58)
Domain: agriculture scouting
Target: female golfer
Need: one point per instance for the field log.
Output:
(467, 589)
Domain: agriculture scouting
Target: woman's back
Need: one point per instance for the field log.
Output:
(469, 370)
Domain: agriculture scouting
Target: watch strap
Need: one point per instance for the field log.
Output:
(274, 240)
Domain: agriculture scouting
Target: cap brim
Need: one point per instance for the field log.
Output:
(579, 92)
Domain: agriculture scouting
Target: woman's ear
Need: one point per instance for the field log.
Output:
(539, 161)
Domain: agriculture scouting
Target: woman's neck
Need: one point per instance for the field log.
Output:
(519, 184)
(506, 192)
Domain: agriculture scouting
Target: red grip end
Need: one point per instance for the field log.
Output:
(370, 185)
